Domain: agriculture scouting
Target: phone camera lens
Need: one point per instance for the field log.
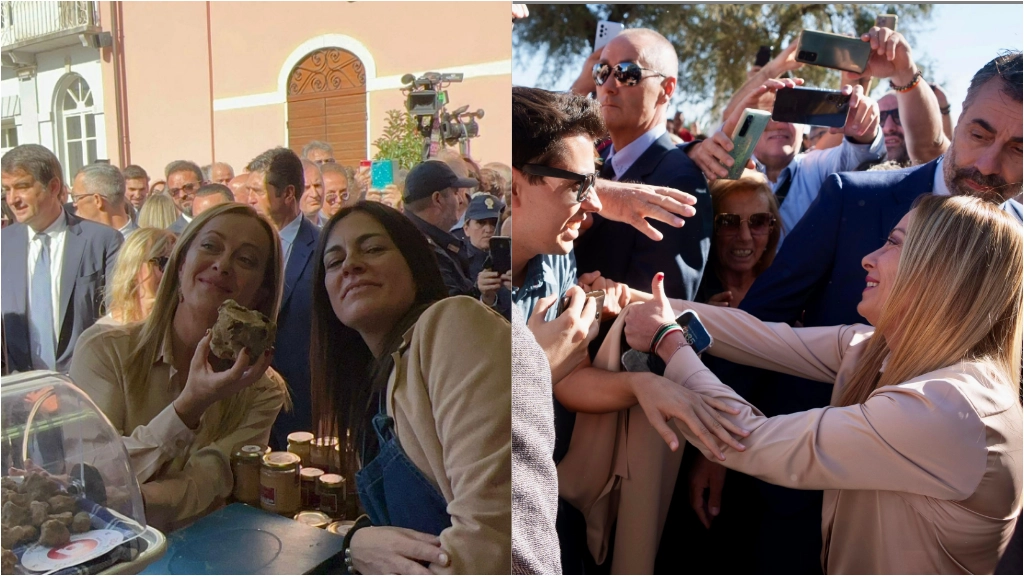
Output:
(807, 56)
(746, 126)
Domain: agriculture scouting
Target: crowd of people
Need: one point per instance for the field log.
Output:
(117, 281)
(857, 293)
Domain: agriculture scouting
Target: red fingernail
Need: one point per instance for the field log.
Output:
(661, 276)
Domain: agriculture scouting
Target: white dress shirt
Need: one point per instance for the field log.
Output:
(288, 234)
(623, 160)
(56, 231)
(939, 187)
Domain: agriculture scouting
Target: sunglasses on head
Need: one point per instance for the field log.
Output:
(729, 224)
(627, 73)
(584, 182)
(883, 114)
(160, 262)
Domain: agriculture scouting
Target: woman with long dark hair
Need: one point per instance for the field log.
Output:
(424, 384)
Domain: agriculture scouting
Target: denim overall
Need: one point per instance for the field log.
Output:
(393, 491)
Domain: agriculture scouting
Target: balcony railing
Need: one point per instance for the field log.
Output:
(25, 23)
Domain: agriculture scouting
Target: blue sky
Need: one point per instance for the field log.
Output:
(958, 40)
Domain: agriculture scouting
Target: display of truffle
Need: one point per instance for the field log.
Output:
(36, 510)
(236, 328)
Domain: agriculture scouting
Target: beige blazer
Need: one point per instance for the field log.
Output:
(618, 468)
(923, 477)
(451, 397)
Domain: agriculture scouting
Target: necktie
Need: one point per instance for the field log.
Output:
(783, 190)
(607, 172)
(41, 310)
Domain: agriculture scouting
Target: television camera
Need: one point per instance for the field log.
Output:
(426, 98)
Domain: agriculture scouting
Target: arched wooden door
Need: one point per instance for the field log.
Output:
(327, 101)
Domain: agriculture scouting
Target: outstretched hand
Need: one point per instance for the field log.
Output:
(634, 203)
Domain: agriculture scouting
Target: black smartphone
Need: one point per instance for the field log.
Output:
(596, 294)
(764, 54)
(501, 254)
(833, 51)
(811, 106)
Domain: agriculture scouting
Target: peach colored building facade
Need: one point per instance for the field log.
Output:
(208, 81)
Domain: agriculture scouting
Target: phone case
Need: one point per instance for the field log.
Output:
(605, 32)
(748, 131)
(811, 106)
(833, 51)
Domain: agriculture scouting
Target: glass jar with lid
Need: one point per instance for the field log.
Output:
(322, 453)
(280, 491)
(331, 491)
(245, 466)
(309, 476)
(299, 444)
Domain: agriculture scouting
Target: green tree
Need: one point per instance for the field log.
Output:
(716, 43)
(400, 141)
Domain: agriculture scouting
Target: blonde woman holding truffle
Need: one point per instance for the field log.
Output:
(179, 417)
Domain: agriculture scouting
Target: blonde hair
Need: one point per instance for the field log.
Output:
(158, 211)
(138, 249)
(226, 415)
(956, 297)
(753, 181)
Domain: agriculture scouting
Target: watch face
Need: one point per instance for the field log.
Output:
(696, 336)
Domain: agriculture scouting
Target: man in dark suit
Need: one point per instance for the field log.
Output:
(817, 278)
(275, 187)
(183, 181)
(635, 80)
(55, 265)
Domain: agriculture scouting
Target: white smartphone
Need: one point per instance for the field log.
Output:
(605, 32)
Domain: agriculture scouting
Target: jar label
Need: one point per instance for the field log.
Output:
(268, 495)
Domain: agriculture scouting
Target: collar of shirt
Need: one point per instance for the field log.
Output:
(450, 243)
(939, 187)
(186, 217)
(788, 172)
(623, 160)
(165, 354)
(128, 228)
(58, 226)
(288, 234)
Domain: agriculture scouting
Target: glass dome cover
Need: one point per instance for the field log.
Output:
(59, 448)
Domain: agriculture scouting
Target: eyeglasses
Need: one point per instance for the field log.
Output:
(585, 182)
(75, 198)
(883, 114)
(160, 262)
(332, 198)
(324, 161)
(627, 73)
(189, 189)
(729, 224)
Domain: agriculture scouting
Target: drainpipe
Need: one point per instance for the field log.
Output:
(209, 54)
(121, 96)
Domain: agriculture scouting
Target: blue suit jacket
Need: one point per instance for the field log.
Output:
(90, 250)
(624, 254)
(291, 355)
(818, 270)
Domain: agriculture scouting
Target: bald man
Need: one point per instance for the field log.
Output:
(635, 80)
(238, 188)
(221, 173)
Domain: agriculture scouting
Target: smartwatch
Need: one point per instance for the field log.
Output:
(694, 332)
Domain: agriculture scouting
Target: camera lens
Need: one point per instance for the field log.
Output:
(746, 126)
(807, 56)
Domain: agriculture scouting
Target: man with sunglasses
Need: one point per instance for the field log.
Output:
(635, 79)
(553, 197)
(183, 181)
(892, 129)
